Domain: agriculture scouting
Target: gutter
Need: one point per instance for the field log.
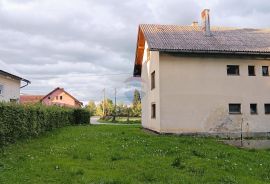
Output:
(221, 52)
(27, 83)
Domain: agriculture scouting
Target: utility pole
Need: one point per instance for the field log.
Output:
(104, 98)
(114, 114)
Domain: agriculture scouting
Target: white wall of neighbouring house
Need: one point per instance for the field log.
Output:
(195, 93)
(150, 63)
(10, 89)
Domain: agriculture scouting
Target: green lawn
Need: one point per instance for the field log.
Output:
(127, 154)
(132, 120)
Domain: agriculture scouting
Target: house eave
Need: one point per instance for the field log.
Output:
(14, 76)
(206, 53)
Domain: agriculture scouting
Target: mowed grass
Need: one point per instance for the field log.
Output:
(127, 154)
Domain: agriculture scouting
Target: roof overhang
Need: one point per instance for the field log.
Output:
(14, 76)
(139, 53)
(155, 36)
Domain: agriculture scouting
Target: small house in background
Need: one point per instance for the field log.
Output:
(61, 98)
(204, 80)
(57, 97)
(10, 86)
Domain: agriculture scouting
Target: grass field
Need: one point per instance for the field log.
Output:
(127, 154)
(132, 120)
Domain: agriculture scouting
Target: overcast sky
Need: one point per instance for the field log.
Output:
(81, 44)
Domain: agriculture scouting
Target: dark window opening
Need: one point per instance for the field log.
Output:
(267, 108)
(265, 71)
(1, 89)
(251, 70)
(233, 70)
(56, 97)
(61, 97)
(253, 109)
(13, 100)
(235, 108)
(153, 111)
(153, 83)
(49, 97)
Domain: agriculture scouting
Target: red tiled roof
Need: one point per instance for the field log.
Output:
(30, 99)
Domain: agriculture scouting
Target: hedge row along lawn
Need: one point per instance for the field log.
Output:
(128, 154)
(19, 121)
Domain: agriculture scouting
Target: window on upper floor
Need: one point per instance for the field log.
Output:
(153, 111)
(251, 71)
(235, 108)
(1, 89)
(267, 108)
(153, 80)
(253, 109)
(265, 70)
(61, 97)
(233, 70)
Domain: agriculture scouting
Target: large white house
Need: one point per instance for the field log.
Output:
(199, 79)
(10, 86)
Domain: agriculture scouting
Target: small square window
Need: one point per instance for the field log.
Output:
(267, 108)
(233, 70)
(251, 70)
(253, 109)
(153, 78)
(61, 97)
(153, 111)
(49, 97)
(235, 108)
(265, 71)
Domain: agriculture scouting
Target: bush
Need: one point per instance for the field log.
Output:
(82, 116)
(18, 121)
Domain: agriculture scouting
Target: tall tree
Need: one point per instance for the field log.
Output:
(92, 107)
(108, 108)
(136, 98)
(136, 105)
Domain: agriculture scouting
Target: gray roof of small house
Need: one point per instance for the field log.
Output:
(2, 72)
(175, 38)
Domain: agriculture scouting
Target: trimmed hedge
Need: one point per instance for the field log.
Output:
(19, 122)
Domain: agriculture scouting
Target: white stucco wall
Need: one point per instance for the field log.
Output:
(150, 96)
(11, 88)
(195, 93)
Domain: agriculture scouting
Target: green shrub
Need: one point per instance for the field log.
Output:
(82, 116)
(18, 121)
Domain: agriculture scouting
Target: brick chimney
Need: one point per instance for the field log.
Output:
(206, 22)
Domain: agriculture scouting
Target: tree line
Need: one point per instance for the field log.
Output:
(120, 109)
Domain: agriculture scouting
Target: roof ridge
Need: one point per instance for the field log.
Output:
(215, 27)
